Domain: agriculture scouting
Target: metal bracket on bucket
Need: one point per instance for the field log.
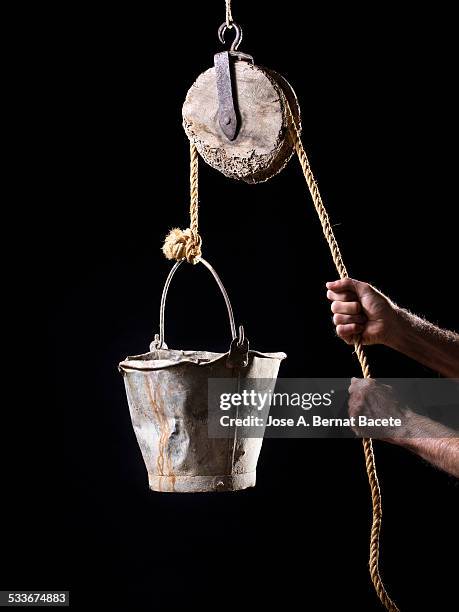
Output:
(238, 354)
(239, 351)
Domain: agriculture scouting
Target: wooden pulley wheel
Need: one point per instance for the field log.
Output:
(236, 114)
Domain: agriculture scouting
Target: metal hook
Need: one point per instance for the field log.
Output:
(237, 39)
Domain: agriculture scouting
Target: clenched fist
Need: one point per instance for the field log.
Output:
(361, 310)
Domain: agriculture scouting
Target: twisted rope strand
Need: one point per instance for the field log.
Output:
(229, 16)
(194, 195)
(361, 356)
(186, 244)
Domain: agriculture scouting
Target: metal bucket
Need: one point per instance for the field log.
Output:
(167, 395)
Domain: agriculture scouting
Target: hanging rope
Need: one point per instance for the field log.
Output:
(186, 244)
(367, 443)
(229, 16)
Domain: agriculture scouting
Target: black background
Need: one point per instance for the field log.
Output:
(375, 89)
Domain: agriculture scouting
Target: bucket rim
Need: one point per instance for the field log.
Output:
(150, 361)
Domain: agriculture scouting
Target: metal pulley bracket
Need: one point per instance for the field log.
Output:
(227, 104)
(228, 116)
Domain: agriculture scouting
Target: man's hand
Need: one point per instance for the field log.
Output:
(376, 401)
(360, 309)
(432, 441)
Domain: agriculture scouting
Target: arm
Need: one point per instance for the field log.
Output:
(435, 348)
(360, 309)
(442, 451)
(432, 441)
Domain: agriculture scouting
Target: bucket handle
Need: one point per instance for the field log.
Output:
(239, 348)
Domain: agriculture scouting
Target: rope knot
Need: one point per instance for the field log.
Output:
(183, 244)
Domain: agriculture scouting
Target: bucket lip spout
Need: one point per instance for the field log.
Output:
(165, 358)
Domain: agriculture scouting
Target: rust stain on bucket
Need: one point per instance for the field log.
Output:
(161, 419)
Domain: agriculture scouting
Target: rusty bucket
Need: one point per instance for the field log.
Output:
(167, 392)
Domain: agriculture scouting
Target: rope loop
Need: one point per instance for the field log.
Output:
(186, 244)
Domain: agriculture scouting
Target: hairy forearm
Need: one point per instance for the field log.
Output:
(435, 348)
(433, 442)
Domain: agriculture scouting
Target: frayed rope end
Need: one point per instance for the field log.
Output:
(182, 244)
